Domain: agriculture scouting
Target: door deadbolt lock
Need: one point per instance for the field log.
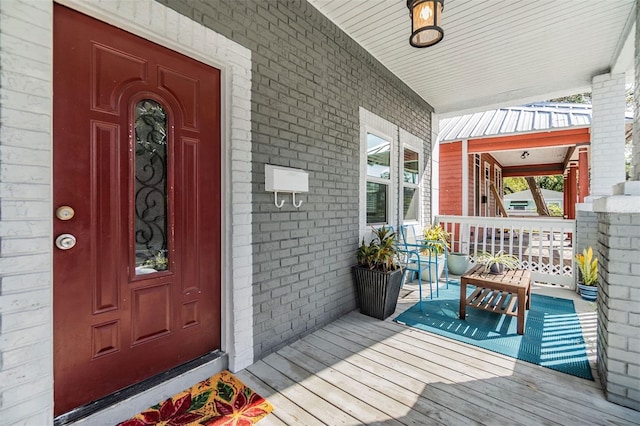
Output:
(64, 212)
(65, 241)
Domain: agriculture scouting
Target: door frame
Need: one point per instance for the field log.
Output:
(235, 313)
(213, 49)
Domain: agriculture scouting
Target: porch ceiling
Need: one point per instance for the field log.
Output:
(494, 53)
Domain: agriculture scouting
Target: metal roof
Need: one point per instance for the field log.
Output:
(529, 118)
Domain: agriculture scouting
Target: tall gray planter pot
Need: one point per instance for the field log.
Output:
(377, 291)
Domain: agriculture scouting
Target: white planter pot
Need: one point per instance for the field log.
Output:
(435, 275)
(458, 263)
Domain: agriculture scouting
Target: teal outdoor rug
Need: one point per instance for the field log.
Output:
(552, 338)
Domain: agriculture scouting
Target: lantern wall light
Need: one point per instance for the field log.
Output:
(426, 17)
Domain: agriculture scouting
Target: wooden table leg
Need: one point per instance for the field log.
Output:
(463, 300)
(529, 295)
(521, 309)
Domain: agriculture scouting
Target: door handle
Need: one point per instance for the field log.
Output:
(65, 241)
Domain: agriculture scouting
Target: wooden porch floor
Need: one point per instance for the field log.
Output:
(359, 370)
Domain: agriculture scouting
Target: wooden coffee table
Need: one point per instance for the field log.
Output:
(508, 293)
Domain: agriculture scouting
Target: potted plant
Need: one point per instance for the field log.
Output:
(588, 265)
(458, 262)
(434, 253)
(498, 262)
(378, 274)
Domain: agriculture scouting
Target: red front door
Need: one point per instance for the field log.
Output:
(137, 165)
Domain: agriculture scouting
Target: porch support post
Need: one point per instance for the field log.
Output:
(607, 133)
(435, 170)
(465, 178)
(570, 191)
(583, 174)
(619, 275)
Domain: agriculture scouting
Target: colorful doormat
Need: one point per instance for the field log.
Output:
(552, 337)
(219, 400)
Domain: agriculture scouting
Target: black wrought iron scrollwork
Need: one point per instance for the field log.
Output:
(151, 186)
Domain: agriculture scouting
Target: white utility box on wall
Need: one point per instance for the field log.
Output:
(285, 179)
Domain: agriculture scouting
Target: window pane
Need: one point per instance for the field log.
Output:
(376, 202)
(378, 151)
(410, 166)
(151, 187)
(410, 209)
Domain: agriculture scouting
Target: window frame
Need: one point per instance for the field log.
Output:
(416, 186)
(379, 180)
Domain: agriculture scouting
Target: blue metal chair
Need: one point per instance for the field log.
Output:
(418, 257)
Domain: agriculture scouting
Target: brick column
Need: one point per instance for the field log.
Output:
(607, 132)
(619, 275)
(619, 298)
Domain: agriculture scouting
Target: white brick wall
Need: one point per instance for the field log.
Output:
(26, 348)
(26, 373)
(607, 133)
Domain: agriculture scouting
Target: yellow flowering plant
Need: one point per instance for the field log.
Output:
(588, 265)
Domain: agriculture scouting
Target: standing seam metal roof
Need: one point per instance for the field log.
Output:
(541, 116)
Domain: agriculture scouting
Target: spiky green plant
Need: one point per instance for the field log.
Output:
(436, 233)
(499, 259)
(381, 253)
(588, 265)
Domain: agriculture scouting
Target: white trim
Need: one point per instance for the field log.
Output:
(414, 143)
(434, 185)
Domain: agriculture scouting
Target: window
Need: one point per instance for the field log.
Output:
(378, 179)
(410, 185)
(391, 175)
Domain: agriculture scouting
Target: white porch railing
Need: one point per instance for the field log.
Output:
(545, 246)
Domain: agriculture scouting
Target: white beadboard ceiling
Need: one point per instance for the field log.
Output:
(495, 52)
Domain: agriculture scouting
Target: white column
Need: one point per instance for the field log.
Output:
(607, 133)
(465, 178)
(435, 167)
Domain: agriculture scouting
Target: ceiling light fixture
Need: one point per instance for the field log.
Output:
(425, 22)
(524, 155)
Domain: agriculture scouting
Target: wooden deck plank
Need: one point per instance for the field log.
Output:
(342, 402)
(461, 378)
(499, 387)
(582, 397)
(384, 379)
(315, 405)
(359, 370)
(378, 407)
(438, 378)
(287, 411)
